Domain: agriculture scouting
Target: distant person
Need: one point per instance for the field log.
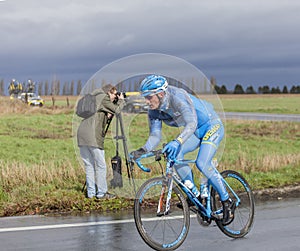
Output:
(202, 130)
(20, 88)
(30, 86)
(13, 87)
(90, 136)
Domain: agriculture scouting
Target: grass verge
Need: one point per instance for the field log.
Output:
(40, 172)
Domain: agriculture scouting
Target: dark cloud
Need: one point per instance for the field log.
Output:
(236, 41)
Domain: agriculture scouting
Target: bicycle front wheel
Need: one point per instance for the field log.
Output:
(161, 229)
(240, 192)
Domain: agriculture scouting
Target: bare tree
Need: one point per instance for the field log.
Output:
(40, 88)
(46, 88)
(79, 87)
(55, 88)
(2, 87)
(72, 88)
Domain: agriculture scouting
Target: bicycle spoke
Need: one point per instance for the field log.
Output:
(161, 232)
(238, 189)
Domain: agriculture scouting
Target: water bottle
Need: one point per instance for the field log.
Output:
(204, 188)
(192, 187)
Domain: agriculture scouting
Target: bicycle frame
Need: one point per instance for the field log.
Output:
(171, 176)
(168, 226)
(206, 211)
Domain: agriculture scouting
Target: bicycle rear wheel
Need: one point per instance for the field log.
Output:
(159, 231)
(244, 212)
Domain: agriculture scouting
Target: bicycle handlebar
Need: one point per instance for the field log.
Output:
(157, 155)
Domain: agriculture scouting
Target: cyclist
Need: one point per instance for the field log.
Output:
(202, 128)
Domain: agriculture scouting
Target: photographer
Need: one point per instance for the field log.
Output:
(90, 138)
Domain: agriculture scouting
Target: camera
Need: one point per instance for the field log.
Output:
(117, 96)
(124, 94)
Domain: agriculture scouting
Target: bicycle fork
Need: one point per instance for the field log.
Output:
(168, 184)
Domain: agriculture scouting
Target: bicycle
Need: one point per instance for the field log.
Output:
(162, 213)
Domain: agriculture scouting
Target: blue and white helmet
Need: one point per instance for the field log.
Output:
(153, 84)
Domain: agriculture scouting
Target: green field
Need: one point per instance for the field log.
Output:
(40, 172)
(281, 104)
(275, 103)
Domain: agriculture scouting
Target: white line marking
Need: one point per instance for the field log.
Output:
(85, 224)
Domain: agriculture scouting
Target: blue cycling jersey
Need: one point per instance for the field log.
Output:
(201, 125)
(180, 109)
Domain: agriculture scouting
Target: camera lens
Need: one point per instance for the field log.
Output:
(124, 94)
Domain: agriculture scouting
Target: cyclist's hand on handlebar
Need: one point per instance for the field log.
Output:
(137, 153)
(172, 149)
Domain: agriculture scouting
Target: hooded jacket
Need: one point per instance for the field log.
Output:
(91, 131)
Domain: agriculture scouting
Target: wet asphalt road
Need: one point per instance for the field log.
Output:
(276, 227)
(262, 116)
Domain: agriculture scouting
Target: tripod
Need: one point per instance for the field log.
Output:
(129, 163)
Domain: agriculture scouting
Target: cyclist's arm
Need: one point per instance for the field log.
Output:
(189, 117)
(154, 136)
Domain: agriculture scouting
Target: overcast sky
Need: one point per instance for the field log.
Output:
(253, 42)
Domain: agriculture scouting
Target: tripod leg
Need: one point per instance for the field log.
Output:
(82, 190)
(129, 163)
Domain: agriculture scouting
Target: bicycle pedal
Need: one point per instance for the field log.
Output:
(203, 220)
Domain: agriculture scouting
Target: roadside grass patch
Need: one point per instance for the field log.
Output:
(40, 172)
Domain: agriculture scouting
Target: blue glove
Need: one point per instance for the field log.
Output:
(172, 149)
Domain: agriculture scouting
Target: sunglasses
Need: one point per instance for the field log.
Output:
(149, 97)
